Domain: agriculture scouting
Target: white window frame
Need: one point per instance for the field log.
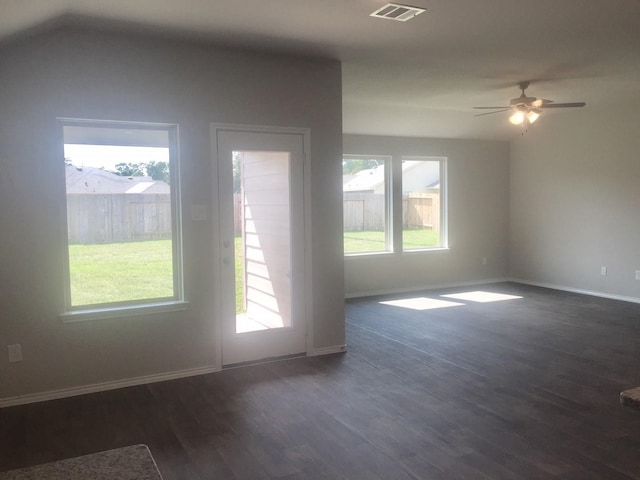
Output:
(388, 219)
(393, 204)
(142, 306)
(444, 211)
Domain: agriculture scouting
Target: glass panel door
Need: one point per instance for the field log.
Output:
(262, 233)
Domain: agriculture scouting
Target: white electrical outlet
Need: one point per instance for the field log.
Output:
(603, 270)
(637, 274)
(15, 353)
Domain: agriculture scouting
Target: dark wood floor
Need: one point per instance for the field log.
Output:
(518, 389)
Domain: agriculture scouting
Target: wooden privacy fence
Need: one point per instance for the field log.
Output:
(237, 214)
(366, 211)
(106, 218)
(421, 210)
(363, 211)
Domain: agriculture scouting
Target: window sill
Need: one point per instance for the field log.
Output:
(367, 254)
(404, 252)
(426, 250)
(123, 311)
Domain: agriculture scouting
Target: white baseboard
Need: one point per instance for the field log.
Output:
(423, 288)
(581, 291)
(130, 382)
(328, 350)
(102, 387)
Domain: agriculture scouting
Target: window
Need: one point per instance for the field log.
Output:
(123, 234)
(372, 221)
(423, 219)
(365, 203)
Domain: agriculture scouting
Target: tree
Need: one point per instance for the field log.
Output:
(237, 158)
(351, 166)
(129, 170)
(158, 170)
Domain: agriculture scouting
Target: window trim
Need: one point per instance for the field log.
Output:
(393, 205)
(444, 211)
(142, 306)
(123, 311)
(387, 161)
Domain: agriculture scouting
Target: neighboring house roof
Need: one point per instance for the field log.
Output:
(89, 180)
(365, 180)
(372, 178)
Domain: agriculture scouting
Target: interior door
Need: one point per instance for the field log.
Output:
(260, 177)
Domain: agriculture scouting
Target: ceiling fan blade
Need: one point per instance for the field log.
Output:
(489, 108)
(564, 105)
(490, 113)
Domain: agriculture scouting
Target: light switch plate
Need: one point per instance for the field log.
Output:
(15, 353)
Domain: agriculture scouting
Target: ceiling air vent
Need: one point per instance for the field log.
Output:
(395, 11)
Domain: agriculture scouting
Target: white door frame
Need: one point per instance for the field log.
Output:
(216, 128)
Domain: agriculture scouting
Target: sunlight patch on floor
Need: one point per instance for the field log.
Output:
(421, 303)
(482, 297)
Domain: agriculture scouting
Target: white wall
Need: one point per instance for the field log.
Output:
(478, 175)
(575, 201)
(84, 74)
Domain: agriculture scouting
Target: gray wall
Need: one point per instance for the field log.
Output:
(84, 74)
(575, 201)
(478, 176)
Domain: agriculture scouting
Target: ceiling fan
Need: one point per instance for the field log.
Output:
(527, 109)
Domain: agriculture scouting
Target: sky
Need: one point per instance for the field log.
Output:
(107, 156)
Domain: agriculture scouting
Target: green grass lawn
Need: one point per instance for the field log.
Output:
(117, 272)
(419, 238)
(373, 241)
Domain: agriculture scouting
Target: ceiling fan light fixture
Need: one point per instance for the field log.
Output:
(526, 110)
(517, 118)
(533, 115)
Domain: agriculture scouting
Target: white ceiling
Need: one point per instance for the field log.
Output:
(419, 78)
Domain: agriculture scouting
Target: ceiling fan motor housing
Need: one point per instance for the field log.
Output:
(522, 100)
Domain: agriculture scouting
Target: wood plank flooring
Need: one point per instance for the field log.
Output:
(517, 389)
